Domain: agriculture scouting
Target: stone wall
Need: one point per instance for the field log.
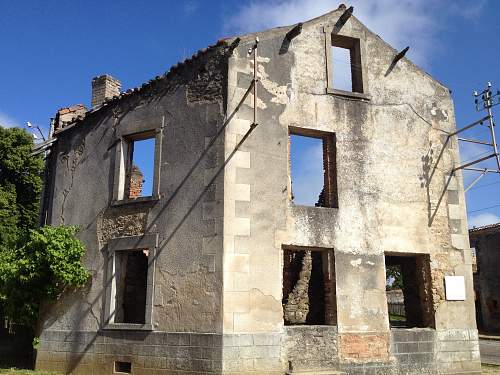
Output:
(162, 353)
(310, 347)
(486, 283)
(224, 214)
(395, 194)
(185, 215)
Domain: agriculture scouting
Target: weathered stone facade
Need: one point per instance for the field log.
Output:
(221, 215)
(486, 241)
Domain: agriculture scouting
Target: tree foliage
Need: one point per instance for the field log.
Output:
(20, 186)
(36, 266)
(39, 271)
(394, 277)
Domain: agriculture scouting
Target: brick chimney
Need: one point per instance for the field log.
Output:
(135, 183)
(104, 87)
(65, 116)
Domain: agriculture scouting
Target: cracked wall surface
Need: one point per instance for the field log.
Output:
(187, 216)
(395, 194)
(224, 215)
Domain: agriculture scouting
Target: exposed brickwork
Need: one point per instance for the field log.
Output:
(364, 347)
(330, 169)
(104, 87)
(135, 183)
(67, 115)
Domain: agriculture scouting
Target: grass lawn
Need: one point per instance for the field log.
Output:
(13, 371)
(397, 318)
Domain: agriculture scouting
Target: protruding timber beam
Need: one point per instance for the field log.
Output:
(295, 31)
(342, 20)
(395, 60)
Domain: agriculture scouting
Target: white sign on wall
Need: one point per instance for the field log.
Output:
(455, 288)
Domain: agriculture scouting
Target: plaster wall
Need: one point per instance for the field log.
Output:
(395, 191)
(223, 214)
(186, 214)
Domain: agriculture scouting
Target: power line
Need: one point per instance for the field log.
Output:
(482, 209)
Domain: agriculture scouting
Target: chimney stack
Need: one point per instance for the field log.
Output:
(104, 87)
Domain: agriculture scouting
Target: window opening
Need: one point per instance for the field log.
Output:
(123, 367)
(342, 74)
(140, 168)
(309, 288)
(346, 64)
(313, 169)
(131, 273)
(408, 290)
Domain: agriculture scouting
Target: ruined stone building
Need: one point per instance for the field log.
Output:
(215, 269)
(486, 242)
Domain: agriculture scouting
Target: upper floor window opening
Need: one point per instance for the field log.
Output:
(313, 169)
(137, 166)
(140, 168)
(345, 64)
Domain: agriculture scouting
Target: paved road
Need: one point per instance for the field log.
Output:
(490, 351)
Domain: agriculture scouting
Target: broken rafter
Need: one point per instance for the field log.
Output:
(395, 60)
(295, 31)
(400, 55)
(342, 20)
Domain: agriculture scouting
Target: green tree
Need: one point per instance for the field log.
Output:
(394, 277)
(40, 271)
(36, 265)
(20, 186)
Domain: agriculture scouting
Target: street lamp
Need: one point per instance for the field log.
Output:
(31, 126)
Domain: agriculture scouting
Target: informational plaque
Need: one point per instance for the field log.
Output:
(455, 288)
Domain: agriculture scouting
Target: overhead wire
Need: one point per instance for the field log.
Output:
(483, 209)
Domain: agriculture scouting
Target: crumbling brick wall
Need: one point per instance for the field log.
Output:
(135, 183)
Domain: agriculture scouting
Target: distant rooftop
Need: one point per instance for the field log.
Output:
(484, 227)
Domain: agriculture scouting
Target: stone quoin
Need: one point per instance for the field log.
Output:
(230, 275)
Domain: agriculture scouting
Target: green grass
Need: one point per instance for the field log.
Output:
(397, 318)
(13, 371)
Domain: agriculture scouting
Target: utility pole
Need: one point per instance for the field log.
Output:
(484, 100)
(487, 102)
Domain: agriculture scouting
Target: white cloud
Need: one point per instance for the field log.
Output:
(7, 121)
(191, 7)
(399, 22)
(482, 219)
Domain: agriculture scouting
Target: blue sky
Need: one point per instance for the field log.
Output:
(50, 50)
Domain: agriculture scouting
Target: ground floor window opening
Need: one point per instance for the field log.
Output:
(309, 287)
(131, 286)
(409, 293)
